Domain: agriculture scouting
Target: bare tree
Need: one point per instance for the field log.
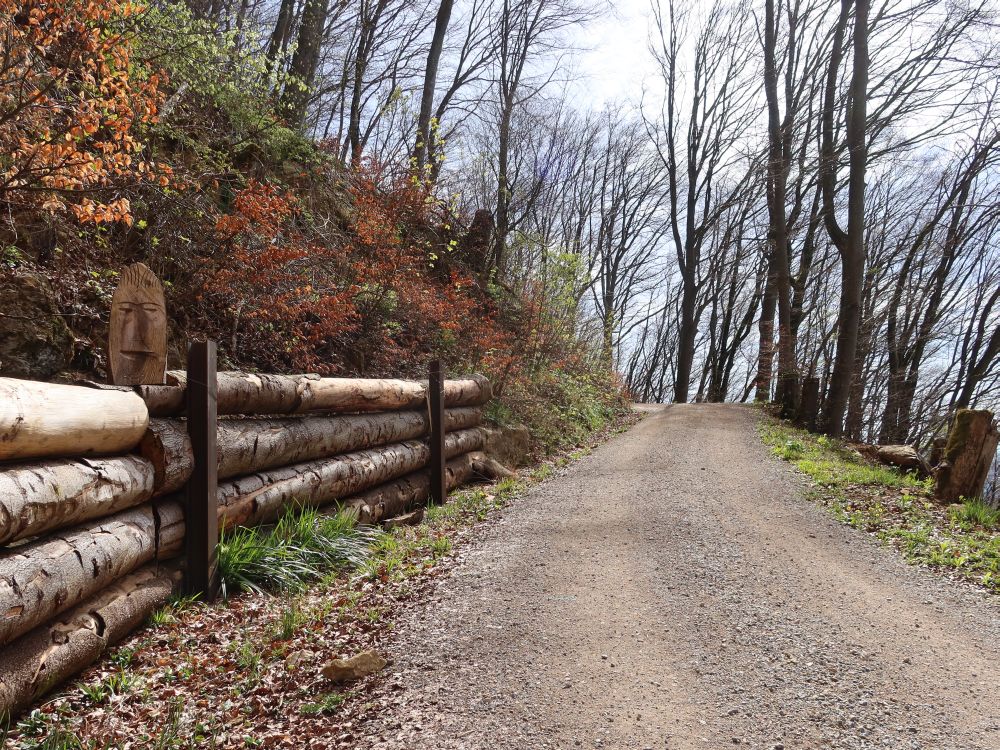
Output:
(850, 244)
(720, 109)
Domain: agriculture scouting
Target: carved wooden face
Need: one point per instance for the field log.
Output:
(137, 350)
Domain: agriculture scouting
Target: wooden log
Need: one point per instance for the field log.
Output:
(472, 391)
(52, 653)
(42, 579)
(968, 455)
(261, 497)
(247, 393)
(36, 498)
(398, 496)
(160, 400)
(49, 420)
(906, 457)
(167, 447)
(246, 446)
(488, 467)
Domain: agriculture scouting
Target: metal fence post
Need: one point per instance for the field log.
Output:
(201, 515)
(435, 385)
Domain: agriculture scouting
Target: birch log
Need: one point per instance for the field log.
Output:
(52, 653)
(44, 578)
(246, 446)
(36, 498)
(49, 420)
(261, 497)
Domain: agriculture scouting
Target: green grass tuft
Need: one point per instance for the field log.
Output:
(894, 507)
(299, 549)
(977, 513)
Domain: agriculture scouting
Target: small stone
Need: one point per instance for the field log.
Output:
(354, 668)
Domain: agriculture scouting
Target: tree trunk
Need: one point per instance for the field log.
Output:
(424, 132)
(851, 245)
(55, 651)
(246, 393)
(35, 498)
(778, 163)
(261, 497)
(765, 349)
(686, 336)
(968, 456)
(305, 60)
(47, 420)
(808, 410)
(282, 30)
(250, 445)
(42, 579)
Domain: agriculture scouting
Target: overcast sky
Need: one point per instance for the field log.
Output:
(615, 60)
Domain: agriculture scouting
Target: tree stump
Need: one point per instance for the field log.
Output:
(968, 455)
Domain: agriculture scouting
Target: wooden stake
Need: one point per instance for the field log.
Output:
(435, 382)
(201, 508)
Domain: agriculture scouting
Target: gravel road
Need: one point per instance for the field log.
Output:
(674, 590)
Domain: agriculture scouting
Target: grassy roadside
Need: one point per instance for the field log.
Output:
(961, 540)
(244, 673)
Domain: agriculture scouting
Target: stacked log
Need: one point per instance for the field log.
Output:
(40, 580)
(43, 420)
(246, 446)
(36, 498)
(261, 497)
(52, 653)
(248, 393)
(396, 497)
(90, 484)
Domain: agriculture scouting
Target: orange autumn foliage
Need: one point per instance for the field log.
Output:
(72, 100)
(376, 299)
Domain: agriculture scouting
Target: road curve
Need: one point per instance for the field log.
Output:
(674, 590)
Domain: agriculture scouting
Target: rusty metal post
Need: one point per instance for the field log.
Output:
(201, 513)
(435, 387)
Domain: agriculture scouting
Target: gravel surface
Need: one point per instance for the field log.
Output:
(674, 590)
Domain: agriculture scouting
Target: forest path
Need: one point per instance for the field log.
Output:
(674, 590)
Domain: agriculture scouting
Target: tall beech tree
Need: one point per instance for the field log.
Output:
(849, 243)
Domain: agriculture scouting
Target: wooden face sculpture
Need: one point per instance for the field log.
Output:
(137, 350)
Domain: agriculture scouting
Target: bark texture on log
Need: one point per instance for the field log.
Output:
(52, 653)
(167, 447)
(162, 400)
(42, 579)
(247, 393)
(398, 496)
(246, 446)
(968, 455)
(35, 498)
(261, 497)
(49, 420)
(472, 391)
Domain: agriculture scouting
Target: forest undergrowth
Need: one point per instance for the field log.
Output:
(961, 540)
